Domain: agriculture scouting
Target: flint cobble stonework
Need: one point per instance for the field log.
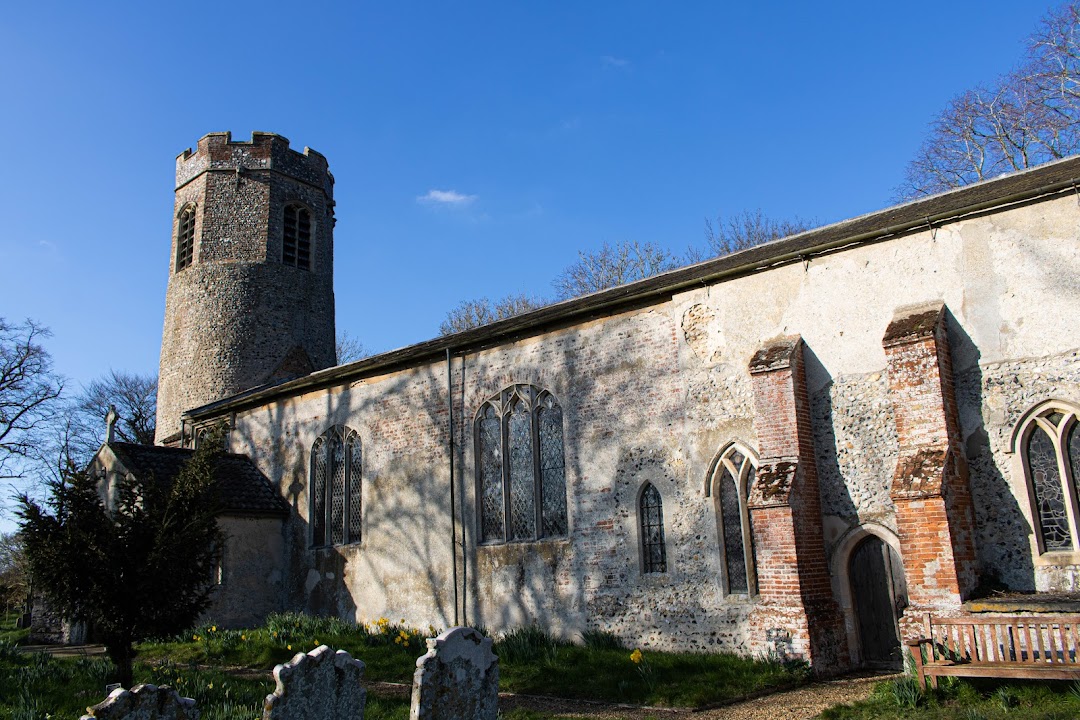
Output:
(868, 430)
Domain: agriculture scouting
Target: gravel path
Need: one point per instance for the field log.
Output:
(800, 704)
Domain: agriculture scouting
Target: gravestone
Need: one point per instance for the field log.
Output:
(458, 678)
(319, 685)
(143, 702)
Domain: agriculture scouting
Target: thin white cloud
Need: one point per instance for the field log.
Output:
(446, 197)
(614, 62)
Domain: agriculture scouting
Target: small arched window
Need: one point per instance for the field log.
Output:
(185, 238)
(336, 487)
(1049, 442)
(296, 238)
(520, 472)
(651, 519)
(732, 475)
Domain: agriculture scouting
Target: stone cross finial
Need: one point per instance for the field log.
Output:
(110, 424)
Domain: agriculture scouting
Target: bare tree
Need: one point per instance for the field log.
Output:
(613, 265)
(29, 390)
(747, 229)
(83, 428)
(349, 349)
(1027, 117)
(474, 313)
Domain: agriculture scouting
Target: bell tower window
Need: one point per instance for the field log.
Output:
(296, 241)
(185, 238)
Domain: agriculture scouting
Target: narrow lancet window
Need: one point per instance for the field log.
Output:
(651, 514)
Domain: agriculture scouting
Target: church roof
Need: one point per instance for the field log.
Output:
(245, 490)
(1044, 181)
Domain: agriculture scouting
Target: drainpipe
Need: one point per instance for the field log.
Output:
(453, 515)
(464, 553)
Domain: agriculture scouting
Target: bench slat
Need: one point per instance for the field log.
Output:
(1005, 647)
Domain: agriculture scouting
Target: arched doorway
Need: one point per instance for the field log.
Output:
(878, 596)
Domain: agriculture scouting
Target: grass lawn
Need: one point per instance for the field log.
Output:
(228, 671)
(966, 700)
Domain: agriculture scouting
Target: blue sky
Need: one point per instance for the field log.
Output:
(477, 146)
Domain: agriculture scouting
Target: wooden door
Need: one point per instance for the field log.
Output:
(876, 578)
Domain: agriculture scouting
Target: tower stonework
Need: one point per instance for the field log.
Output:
(250, 298)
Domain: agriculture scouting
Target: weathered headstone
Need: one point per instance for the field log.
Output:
(319, 685)
(458, 678)
(144, 702)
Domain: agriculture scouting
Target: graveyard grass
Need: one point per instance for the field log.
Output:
(974, 699)
(228, 671)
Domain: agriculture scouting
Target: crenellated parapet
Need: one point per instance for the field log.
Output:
(266, 152)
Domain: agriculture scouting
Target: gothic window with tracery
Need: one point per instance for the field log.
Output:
(185, 238)
(296, 239)
(1050, 450)
(651, 517)
(336, 487)
(732, 478)
(520, 473)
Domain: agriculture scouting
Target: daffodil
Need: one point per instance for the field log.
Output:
(636, 657)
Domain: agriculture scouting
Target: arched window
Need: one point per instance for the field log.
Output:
(185, 238)
(520, 474)
(651, 519)
(336, 487)
(1049, 443)
(732, 475)
(296, 238)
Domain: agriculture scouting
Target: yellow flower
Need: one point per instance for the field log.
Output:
(288, 647)
(635, 657)
(243, 637)
(195, 638)
(213, 628)
(316, 642)
(210, 685)
(406, 643)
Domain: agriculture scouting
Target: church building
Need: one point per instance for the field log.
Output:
(795, 450)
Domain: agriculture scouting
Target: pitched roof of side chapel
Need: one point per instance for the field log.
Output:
(1025, 186)
(245, 490)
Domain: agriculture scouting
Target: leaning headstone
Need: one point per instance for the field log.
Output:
(144, 702)
(458, 678)
(319, 685)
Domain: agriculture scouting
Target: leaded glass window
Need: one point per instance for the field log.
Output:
(336, 488)
(520, 473)
(731, 480)
(651, 515)
(185, 238)
(1050, 447)
(296, 238)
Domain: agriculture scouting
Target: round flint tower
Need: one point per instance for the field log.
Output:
(251, 276)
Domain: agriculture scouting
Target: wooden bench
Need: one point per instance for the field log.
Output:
(998, 646)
